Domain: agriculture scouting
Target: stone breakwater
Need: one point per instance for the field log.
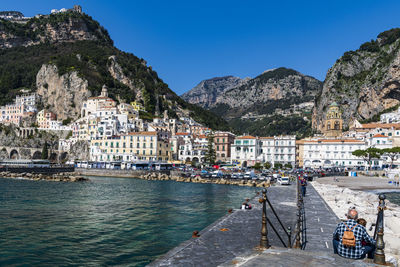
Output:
(198, 179)
(341, 199)
(171, 176)
(59, 177)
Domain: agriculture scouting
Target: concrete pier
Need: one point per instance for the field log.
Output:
(235, 233)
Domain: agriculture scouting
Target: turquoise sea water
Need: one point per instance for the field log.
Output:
(107, 221)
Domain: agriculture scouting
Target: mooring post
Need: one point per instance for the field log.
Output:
(264, 231)
(379, 257)
(289, 231)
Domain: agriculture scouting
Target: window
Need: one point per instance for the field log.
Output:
(144, 152)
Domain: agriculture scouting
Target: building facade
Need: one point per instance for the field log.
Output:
(223, 142)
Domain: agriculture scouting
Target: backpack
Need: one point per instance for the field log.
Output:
(348, 238)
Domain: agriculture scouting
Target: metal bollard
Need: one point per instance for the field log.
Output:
(289, 231)
(379, 257)
(264, 231)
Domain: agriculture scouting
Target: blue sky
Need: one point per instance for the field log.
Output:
(188, 41)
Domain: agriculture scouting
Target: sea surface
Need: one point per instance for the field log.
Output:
(393, 197)
(107, 221)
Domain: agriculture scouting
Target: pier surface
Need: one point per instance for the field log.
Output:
(235, 233)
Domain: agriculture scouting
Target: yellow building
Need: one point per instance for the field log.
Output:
(333, 124)
(146, 146)
(300, 153)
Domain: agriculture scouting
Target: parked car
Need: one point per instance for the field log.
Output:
(284, 180)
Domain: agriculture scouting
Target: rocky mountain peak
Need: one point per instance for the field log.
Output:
(206, 92)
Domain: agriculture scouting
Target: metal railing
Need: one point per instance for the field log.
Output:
(301, 225)
(264, 243)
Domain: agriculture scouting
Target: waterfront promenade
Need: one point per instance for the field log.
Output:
(235, 233)
(238, 245)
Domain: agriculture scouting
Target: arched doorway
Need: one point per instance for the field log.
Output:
(14, 154)
(37, 155)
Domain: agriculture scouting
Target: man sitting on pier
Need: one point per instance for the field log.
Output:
(343, 243)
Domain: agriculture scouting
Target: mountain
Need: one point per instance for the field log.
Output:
(207, 91)
(262, 104)
(67, 56)
(365, 82)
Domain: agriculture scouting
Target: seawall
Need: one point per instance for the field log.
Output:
(168, 175)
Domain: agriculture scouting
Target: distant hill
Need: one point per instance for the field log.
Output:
(258, 105)
(68, 56)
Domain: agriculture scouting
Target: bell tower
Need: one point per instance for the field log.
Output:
(333, 125)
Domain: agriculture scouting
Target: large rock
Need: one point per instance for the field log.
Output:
(63, 95)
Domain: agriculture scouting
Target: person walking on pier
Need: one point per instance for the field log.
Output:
(303, 183)
(349, 236)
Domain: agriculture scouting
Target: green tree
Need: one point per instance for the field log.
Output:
(368, 154)
(210, 156)
(267, 165)
(288, 166)
(392, 153)
(45, 151)
(257, 166)
(278, 166)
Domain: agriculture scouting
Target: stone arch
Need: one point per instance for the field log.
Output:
(37, 155)
(63, 156)
(195, 159)
(188, 159)
(14, 154)
(244, 164)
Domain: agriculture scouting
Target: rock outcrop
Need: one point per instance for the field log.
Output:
(54, 28)
(63, 94)
(232, 97)
(364, 82)
(206, 92)
(117, 73)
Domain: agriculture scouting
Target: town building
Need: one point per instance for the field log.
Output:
(278, 149)
(223, 142)
(244, 151)
(137, 146)
(45, 118)
(324, 153)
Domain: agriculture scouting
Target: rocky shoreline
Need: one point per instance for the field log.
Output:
(58, 177)
(173, 176)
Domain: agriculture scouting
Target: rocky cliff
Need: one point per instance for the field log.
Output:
(364, 82)
(206, 92)
(232, 97)
(63, 94)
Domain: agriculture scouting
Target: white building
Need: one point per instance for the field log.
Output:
(244, 150)
(278, 149)
(391, 117)
(332, 152)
